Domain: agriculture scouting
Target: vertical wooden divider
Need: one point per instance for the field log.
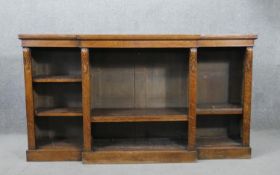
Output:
(86, 98)
(192, 99)
(247, 94)
(27, 60)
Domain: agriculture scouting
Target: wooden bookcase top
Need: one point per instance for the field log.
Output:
(136, 41)
(131, 37)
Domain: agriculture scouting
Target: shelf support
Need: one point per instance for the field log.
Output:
(247, 93)
(192, 86)
(86, 98)
(27, 60)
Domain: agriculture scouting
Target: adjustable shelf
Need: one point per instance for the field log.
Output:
(139, 115)
(54, 112)
(137, 98)
(218, 109)
(57, 79)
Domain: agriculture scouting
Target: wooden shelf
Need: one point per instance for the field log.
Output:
(139, 144)
(56, 150)
(222, 141)
(145, 150)
(221, 148)
(57, 79)
(139, 115)
(60, 144)
(55, 112)
(219, 109)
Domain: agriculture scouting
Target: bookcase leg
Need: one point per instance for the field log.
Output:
(192, 99)
(86, 98)
(27, 60)
(247, 90)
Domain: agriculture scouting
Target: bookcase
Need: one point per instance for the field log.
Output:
(137, 98)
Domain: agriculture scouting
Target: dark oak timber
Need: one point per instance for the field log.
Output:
(192, 98)
(247, 93)
(57, 79)
(224, 153)
(140, 156)
(137, 98)
(86, 98)
(219, 109)
(54, 155)
(47, 112)
(29, 98)
(139, 115)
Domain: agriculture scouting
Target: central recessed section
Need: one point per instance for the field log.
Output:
(139, 82)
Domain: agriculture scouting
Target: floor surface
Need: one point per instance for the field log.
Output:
(265, 160)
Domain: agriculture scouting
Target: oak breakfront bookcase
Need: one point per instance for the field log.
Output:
(137, 98)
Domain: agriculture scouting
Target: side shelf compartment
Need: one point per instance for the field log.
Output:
(58, 139)
(219, 137)
(58, 100)
(57, 95)
(220, 79)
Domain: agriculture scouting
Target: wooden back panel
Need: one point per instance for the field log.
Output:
(139, 78)
(56, 61)
(220, 75)
(57, 95)
(140, 130)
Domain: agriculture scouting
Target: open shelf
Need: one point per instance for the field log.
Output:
(57, 79)
(139, 115)
(222, 141)
(54, 99)
(66, 112)
(221, 147)
(216, 131)
(139, 78)
(141, 135)
(220, 77)
(57, 139)
(60, 144)
(59, 133)
(51, 62)
(218, 109)
(139, 144)
(56, 150)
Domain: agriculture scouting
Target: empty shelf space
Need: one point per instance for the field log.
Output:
(139, 115)
(57, 79)
(59, 144)
(222, 141)
(139, 144)
(219, 109)
(66, 112)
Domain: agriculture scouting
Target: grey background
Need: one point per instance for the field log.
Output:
(141, 17)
